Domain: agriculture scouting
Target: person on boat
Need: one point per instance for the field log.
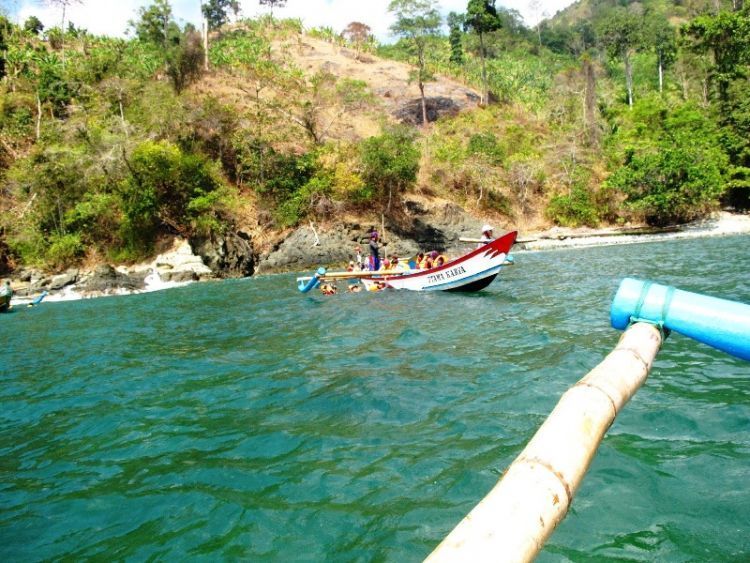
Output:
(418, 260)
(358, 252)
(440, 260)
(386, 264)
(350, 267)
(374, 252)
(429, 261)
(486, 237)
(396, 265)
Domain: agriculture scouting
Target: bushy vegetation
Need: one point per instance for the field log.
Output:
(609, 112)
(582, 81)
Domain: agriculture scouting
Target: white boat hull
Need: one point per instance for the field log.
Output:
(470, 272)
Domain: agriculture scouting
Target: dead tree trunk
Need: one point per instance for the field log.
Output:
(589, 75)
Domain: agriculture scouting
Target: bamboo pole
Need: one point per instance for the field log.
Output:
(518, 515)
(362, 274)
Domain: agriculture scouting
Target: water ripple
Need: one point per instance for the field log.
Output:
(242, 420)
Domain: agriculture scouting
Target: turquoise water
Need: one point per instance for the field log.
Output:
(243, 420)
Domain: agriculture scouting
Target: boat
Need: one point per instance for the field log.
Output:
(471, 272)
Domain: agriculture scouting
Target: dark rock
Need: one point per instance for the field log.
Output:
(106, 278)
(38, 282)
(179, 276)
(68, 278)
(438, 228)
(411, 111)
(301, 249)
(229, 256)
(24, 276)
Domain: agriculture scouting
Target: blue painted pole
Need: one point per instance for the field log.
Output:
(313, 282)
(720, 323)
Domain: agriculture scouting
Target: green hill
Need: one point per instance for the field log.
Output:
(109, 145)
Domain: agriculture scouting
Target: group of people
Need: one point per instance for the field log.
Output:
(373, 263)
(422, 261)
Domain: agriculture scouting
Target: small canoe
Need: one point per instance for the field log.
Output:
(471, 272)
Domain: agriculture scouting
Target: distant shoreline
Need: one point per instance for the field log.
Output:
(721, 224)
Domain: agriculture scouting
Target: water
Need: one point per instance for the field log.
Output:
(243, 420)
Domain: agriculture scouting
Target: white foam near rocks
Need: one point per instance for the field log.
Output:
(154, 282)
(67, 293)
(178, 262)
(181, 259)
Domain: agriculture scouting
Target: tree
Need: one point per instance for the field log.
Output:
(390, 163)
(727, 37)
(539, 14)
(417, 21)
(661, 36)
(677, 174)
(455, 22)
(155, 23)
(621, 33)
(482, 18)
(234, 5)
(215, 12)
(164, 190)
(63, 5)
(184, 58)
(4, 28)
(33, 25)
(272, 4)
(358, 34)
(589, 101)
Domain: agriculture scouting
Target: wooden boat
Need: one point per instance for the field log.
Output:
(471, 272)
(4, 302)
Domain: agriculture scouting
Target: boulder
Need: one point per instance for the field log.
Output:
(106, 279)
(437, 228)
(181, 259)
(438, 106)
(228, 256)
(301, 249)
(179, 276)
(60, 281)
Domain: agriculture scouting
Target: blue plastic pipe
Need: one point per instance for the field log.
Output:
(720, 323)
(312, 282)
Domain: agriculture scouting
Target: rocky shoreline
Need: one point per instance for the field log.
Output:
(307, 247)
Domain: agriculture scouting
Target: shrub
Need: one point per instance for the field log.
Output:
(64, 249)
(97, 218)
(168, 190)
(579, 207)
(485, 145)
(676, 174)
(390, 163)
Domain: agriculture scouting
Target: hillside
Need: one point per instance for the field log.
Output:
(110, 147)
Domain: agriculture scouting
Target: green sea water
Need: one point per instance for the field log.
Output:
(242, 420)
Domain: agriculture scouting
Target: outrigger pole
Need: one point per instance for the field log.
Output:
(518, 515)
